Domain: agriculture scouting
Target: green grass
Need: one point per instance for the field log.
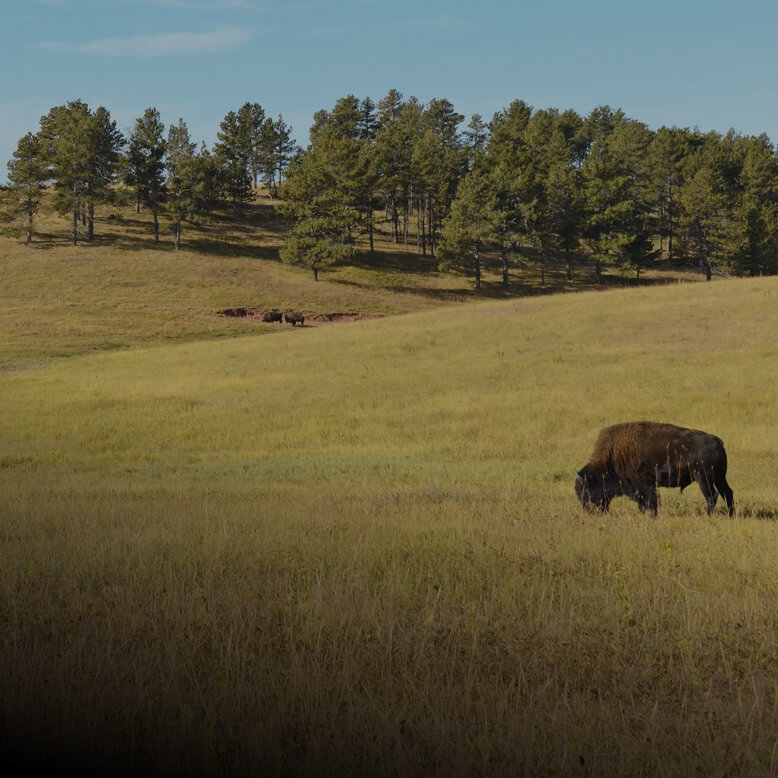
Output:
(356, 549)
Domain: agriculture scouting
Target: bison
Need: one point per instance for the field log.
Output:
(271, 316)
(634, 458)
(293, 317)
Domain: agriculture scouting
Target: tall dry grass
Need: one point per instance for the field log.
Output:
(356, 550)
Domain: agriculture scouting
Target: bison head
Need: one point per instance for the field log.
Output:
(593, 489)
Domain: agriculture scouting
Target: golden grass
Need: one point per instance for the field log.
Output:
(122, 290)
(356, 549)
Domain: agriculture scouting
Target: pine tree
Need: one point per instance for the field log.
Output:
(476, 135)
(276, 149)
(507, 154)
(630, 143)
(471, 226)
(106, 144)
(182, 176)
(27, 176)
(703, 216)
(563, 187)
(345, 119)
(751, 231)
(667, 153)
(398, 132)
(146, 163)
(317, 198)
(208, 182)
(251, 118)
(617, 192)
(67, 139)
(235, 153)
(368, 120)
(388, 108)
(438, 163)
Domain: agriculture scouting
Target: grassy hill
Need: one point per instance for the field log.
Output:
(356, 549)
(123, 290)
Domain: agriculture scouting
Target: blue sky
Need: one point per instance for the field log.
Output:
(688, 63)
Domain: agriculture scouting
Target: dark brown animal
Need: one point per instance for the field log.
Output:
(271, 316)
(293, 317)
(634, 458)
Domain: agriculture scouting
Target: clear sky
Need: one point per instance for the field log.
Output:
(691, 63)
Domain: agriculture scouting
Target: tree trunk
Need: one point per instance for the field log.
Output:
(369, 220)
(156, 223)
(661, 226)
(76, 214)
(418, 226)
(504, 260)
(177, 236)
(430, 222)
(477, 268)
(424, 218)
(315, 273)
(91, 220)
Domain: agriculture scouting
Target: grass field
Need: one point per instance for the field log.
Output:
(228, 549)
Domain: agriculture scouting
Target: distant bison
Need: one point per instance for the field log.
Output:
(293, 317)
(271, 316)
(634, 458)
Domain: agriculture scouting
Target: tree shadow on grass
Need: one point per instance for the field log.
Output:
(45, 241)
(394, 261)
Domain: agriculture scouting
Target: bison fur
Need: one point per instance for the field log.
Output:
(634, 458)
(271, 316)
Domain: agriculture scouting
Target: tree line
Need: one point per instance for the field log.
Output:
(80, 154)
(528, 186)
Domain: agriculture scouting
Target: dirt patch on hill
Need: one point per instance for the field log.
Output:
(311, 318)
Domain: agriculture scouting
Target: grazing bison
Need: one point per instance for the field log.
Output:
(293, 317)
(271, 316)
(634, 458)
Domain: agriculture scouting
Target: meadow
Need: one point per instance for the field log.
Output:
(229, 548)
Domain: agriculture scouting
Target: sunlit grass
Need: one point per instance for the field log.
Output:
(123, 290)
(356, 549)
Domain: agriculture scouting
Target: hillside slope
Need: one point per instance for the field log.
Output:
(122, 289)
(359, 546)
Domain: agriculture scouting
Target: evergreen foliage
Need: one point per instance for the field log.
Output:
(558, 186)
(318, 197)
(27, 175)
(182, 176)
(145, 165)
(472, 225)
(80, 150)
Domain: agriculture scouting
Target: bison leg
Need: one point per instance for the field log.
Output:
(723, 488)
(648, 499)
(708, 492)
